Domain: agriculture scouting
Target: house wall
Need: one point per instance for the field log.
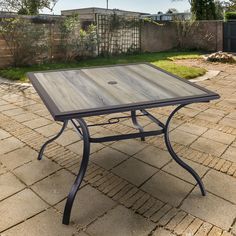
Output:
(204, 35)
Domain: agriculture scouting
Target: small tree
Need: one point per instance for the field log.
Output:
(75, 42)
(88, 42)
(219, 10)
(203, 9)
(185, 30)
(27, 7)
(69, 36)
(229, 5)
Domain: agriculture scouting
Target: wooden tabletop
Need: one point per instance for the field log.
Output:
(90, 90)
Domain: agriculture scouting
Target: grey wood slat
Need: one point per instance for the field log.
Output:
(170, 84)
(73, 90)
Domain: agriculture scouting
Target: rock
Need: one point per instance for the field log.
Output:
(220, 57)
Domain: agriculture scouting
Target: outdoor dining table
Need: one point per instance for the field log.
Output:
(74, 94)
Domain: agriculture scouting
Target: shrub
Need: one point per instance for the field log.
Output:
(75, 42)
(24, 40)
(230, 15)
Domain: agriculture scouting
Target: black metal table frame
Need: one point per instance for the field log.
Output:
(76, 117)
(83, 130)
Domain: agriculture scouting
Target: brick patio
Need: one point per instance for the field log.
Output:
(131, 187)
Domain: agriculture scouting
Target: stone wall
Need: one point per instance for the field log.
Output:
(204, 35)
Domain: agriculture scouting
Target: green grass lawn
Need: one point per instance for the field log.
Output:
(164, 60)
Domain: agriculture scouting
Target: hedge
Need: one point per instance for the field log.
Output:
(230, 15)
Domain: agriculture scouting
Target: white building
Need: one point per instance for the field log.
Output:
(169, 16)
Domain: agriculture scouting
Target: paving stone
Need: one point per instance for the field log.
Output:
(9, 185)
(14, 112)
(47, 223)
(128, 196)
(156, 207)
(204, 229)
(140, 202)
(228, 122)
(3, 102)
(216, 182)
(4, 134)
(108, 158)
(68, 137)
(219, 136)
(78, 147)
(176, 220)
(209, 146)
(36, 123)
(162, 232)
(216, 112)
(193, 227)
(7, 107)
(3, 169)
(129, 147)
(36, 107)
(146, 206)
(181, 137)
(210, 208)
(134, 171)
(193, 129)
(18, 157)
(55, 187)
(132, 199)
(230, 154)
(167, 188)
(122, 192)
(36, 170)
(10, 144)
(25, 117)
(215, 231)
(153, 156)
(232, 115)
(184, 224)
(49, 130)
(189, 111)
(161, 213)
(167, 217)
(175, 169)
(225, 233)
(89, 204)
(19, 207)
(81, 233)
(126, 223)
(221, 185)
(209, 117)
(234, 228)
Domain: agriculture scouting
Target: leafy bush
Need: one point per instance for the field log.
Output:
(230, 15)
(24, 40)
(76, 43)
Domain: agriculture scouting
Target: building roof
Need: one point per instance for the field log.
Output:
(99, 9)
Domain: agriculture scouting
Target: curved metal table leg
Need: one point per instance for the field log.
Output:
(80, 176)
(175, 156)
(136, 124)
(52, 139)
